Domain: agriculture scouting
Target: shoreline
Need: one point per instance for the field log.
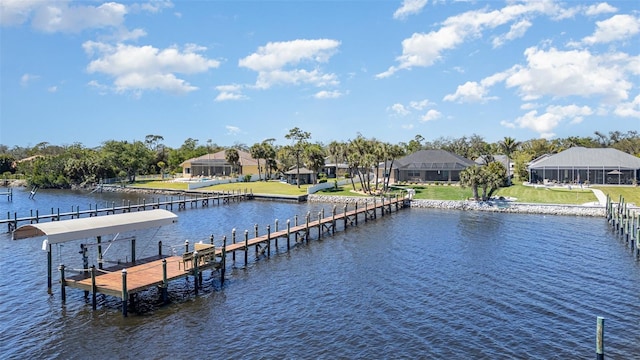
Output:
(493, 206)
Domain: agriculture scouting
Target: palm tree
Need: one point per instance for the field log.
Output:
(232, 157)
(509, 145)
(472, 177)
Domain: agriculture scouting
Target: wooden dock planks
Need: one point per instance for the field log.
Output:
(139, 277)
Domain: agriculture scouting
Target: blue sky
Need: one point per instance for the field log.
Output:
(244, 71)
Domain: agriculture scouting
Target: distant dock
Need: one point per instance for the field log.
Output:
(182, 202)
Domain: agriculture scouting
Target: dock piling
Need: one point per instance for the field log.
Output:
(63, 292)
(125, 294)
(600, 338)
(94, 290)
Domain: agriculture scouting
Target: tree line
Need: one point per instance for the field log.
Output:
(55, 166)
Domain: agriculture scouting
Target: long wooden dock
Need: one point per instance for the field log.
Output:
(181, 203)
(126, 280)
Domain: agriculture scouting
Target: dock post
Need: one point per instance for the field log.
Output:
(295, 224)
(276, 224)
(344, 212)
(600, 338)
(211, 239)
(165, 283)
(85, 265)
(233, 241)
(288, 234)
(133, 249)
(99, 240)
(333, 220)
(381, 206)
(246, 247)
(276, 236)
(93, 287)
(320, 225)
(224, 259)
(63, 284)
(125, 294)
(160, 248)
(186, 246)
(306, 230)
(375, 215)
(255, 228)
(49, 264)
(366, 211)
(269, 240)
(356, 212)
(197, 276)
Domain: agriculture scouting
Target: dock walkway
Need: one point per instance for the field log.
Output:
(124, 282)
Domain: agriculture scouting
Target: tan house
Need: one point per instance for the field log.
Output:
(210, 165)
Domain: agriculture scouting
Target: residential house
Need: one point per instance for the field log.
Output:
(210, 165)
(430, 166)
(579, 165)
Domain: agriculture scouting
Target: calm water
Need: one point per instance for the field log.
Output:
(418, 284)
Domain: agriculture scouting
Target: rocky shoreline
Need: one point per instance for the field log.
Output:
(494, 206)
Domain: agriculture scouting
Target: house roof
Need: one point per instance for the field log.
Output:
(303, 171)
(580, 157)
(433, 160)
(220, 157)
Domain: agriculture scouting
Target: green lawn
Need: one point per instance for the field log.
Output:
(529, 194)
(631, 194)
(436, 192)
(440, 192)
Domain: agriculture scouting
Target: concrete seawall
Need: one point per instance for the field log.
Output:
(495, 206)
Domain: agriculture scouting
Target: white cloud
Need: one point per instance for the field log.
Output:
(139, 68)
(398, 110)
(26, 79)
(616, 28)
(570, 73)
(422, 104)
(227, 96)
(423, 50)
(629, 109)
(469, 92)
(52, 89)
(67, 16)
(517, 30)
(407, 126)
(232, 130)
(431, 115)
(274, 63)
(601, 8)
(230, 92)
(545, 123)
(59, 17)
(324, 94)
(276, 55)
(529, 106)
(409, 7)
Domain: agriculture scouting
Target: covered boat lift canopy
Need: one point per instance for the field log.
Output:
(97, 226)
(74, 229)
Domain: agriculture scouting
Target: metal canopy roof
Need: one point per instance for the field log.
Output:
(74, 229)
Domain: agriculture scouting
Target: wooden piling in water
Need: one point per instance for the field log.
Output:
(600, 338)
(125, 294)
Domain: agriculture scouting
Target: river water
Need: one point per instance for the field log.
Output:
(419, 284)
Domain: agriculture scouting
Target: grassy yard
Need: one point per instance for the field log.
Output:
(441, 192)
(435, 192)
(530, 194)
(629, 193)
